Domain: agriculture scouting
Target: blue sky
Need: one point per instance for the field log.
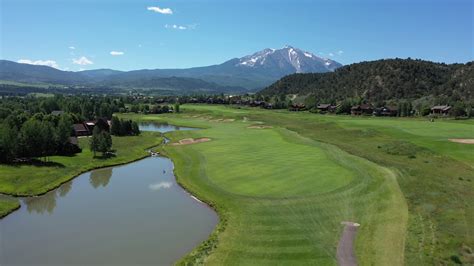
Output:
(81, 34)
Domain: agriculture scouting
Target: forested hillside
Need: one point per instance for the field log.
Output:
(383, 80)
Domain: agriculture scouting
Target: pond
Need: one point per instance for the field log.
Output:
(131, 214)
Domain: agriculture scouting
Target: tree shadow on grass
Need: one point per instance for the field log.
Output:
(36, 163)
(105, 156)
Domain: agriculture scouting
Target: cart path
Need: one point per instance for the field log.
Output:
(345, 249)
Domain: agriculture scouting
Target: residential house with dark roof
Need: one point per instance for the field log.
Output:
(440, 110)
(81, 130)
(362, 109)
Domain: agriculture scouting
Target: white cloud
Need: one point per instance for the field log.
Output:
(340, 52)
(180, 27)
(72, 47)
(161, 185)
(82, 61)
(176, 27)
(115, 53)
(165, 11)
(331, 54)
(50, 63)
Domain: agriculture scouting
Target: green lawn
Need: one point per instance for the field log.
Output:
(282, 192)
(282, 197)
(28, 180)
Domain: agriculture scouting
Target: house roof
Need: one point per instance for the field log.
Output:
(441, 107)
(324, 105)
(80, 127)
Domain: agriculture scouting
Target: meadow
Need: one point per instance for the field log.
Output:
(283, 189)
(32, 180)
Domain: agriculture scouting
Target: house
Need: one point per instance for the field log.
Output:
(440, 110)
(268, 106)
(297, 107)
(81, 130)
(362, 109)
(386, 111)
(324, 108)
(90, 125)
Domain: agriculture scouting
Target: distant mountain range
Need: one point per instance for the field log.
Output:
(248, 73)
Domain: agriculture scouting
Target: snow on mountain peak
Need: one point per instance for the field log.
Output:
(288, 59)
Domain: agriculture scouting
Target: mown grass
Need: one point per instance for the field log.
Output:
(282, 197)
(29, 180)
(412, 161)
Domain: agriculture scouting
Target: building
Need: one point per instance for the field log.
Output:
(362, 109)
(440, 110)
(81, 130)
(325, 108)
(297, 107)
(386, 111)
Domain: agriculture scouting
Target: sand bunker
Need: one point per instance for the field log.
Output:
(464, 141)
(222, 120)
(259, 126)
(191, 141)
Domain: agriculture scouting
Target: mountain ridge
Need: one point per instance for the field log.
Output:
(234, 73)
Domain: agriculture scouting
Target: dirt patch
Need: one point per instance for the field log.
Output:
(464, 141)
(345, 249)
(259, 126)
(190, 141)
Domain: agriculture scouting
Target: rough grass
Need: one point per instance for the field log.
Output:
(437, 185)
(29, 180)
(7, 206)
(282, 197)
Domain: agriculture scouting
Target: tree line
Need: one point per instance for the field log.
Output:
(38, 136)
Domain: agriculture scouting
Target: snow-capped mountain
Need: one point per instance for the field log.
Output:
(250, 72)
(288, 60)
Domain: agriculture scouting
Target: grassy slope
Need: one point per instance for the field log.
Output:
(33, 180)
(282, 197)
(435, 176)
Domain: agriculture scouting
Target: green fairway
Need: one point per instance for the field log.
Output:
(282, 197)
(28, 180)
(282, 191)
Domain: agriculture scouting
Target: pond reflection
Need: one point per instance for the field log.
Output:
(162, 127)
(100, 177)
(41, 204)
(134, 214)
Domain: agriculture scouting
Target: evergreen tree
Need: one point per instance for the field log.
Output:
(135, 129)
(95, 140)
(116, 126)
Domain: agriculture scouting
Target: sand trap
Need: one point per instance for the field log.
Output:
(222, 120)
(464, 141)
(191, 141)
(259, 126)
